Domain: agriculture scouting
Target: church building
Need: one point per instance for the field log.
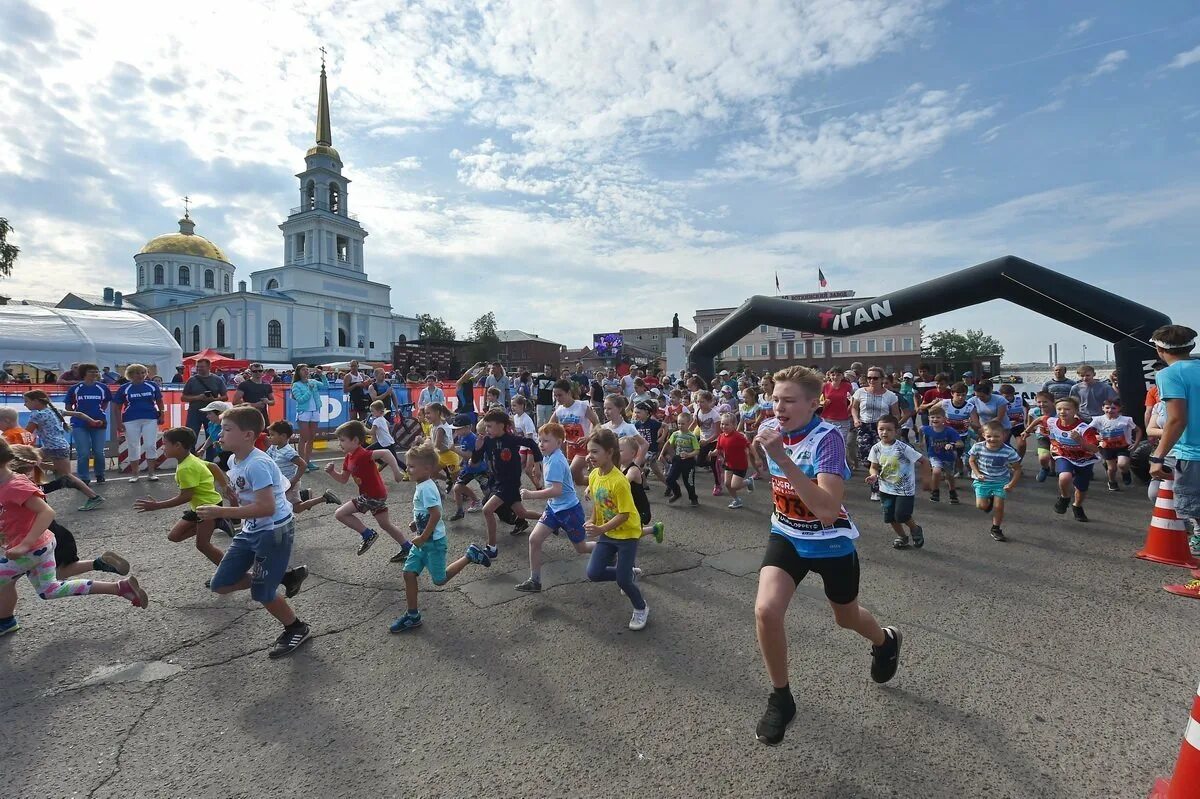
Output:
(318, 306)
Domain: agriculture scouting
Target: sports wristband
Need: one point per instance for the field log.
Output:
(1154, 459)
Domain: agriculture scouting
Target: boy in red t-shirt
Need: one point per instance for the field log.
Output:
(359, 465)
(733, 449)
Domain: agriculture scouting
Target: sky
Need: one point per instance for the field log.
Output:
(579, 167)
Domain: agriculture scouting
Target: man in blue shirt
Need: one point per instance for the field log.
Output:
(1179, 387)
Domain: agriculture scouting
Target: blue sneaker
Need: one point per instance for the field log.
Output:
(406, 622)
(1042, 474)
(368, 538)
(491, 552)
(477, 555)
(9, 625)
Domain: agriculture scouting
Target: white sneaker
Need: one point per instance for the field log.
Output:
(153, 478)
(133, 479)
(639, 618)
(874, 496)
(637, 572)
(474, 507)
(737, 503)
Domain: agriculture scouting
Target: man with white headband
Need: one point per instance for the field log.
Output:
(1179, 387)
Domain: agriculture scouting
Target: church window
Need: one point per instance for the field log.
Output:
(178, 337)
(335, 198)
(141, 276)
(220, 333)
(196, 337)
(227, 280)
(343, 249)
(185, 276)
(343, 337)
(272, 284)
(310, 196)
(300, 244)
(158, 274)
(209, 279)
(274, 334)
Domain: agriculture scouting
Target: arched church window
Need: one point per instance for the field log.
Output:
(158, 274)
(196, 337)
(335, 198)
(274, 334)
(210, 281)
(185, 276)
(311, 195)
(178, 337)
(272, 284)
(220, 333)
(227, 283)
(141, 276)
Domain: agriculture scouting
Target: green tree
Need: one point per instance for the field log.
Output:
(8, 252)
(953, 347)
(434, 327)
(485, 344)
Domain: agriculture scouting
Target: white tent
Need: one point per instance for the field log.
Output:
(55, 338)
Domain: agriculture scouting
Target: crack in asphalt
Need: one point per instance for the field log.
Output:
(116, 767)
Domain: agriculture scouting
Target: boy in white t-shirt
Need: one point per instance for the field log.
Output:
(894, 476)
(1118, 435)
(293, 468)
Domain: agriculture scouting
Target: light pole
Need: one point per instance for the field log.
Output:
(1085, 353)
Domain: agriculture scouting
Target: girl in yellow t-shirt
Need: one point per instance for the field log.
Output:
(616, 521)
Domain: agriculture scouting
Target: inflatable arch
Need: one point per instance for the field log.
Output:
(1125, 324)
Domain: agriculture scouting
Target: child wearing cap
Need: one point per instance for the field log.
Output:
(466, 441)
(209, 442)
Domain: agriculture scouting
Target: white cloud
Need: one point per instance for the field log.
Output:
(1081, 27)
(1185, 59)
(1110, 63)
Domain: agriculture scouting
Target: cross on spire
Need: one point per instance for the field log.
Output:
(186, 200)
(322, 49)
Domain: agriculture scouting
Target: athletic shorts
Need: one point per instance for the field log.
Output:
(896, 508)
(465, 478)
(943, 463)
(569, 519)
(369, 504)
(263, 554)
(576, 449)
(430, 557)
(1113, 454)
(739, 472)
(1082, 474)
(66, 551)
(1017, 429)
(1043, 452)
(1187, 488)
(308, 416)
(509, 496)
(840, 574)
(990, 488)
(55, 454)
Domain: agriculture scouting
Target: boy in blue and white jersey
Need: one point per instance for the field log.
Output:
(810, 531)
(995, 467)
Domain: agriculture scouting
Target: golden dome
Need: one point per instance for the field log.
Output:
(323, 149)
(185, 242)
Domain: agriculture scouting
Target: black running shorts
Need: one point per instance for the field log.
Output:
(840, 575)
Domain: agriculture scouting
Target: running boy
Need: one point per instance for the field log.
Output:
(293, 468)
(995, 468)
(564, 512)
(502, 451)
(258, 556)
(1073, 443)
(942, 445)
(681, 451)
(428, 551)
(894, 476)
(654, 431)
(359, 465)
(1118, 435)
(466, 441)
(1043, 409)
(810, 531)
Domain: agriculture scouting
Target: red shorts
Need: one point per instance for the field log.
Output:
(577, 448)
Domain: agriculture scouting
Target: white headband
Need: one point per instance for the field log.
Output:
(1162, 345)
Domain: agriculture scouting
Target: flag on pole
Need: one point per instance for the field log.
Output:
(821, 278)
(777, 280)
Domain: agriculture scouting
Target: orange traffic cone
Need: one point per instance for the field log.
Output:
(1166, 539)
(1185, 782)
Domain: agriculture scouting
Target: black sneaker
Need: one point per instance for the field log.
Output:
(886, 659)
(522, 526)
(291, 638)
(100, 478)
(402, 555)
(935, 495)
(1060, 505)
(225, 527)
(458, 515)
(1112, 486)
(998, 534)
(1126, 478)
(305, 495)
(292, 579)
(673, 498)
(695, 502)
(780, 713)
(1080, 516)
(530, 586)
(331, 498)
(900, 542)
(918, 536)
(366, 542)
(953, 497)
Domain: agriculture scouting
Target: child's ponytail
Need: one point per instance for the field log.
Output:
(37, 395)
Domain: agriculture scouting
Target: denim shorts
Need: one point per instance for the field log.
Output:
(1187, 488)
(569, 519)
(262, 553)
(55, 454)
(896, 508)
(431, 556)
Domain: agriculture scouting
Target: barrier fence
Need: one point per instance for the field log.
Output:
(335, 404)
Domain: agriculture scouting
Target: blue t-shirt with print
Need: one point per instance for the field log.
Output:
(555, 469)
(140, 400)
(994, 464)
(426, 497)
(1181, 380)
(91, 400)
(50, 429)
(935, 442)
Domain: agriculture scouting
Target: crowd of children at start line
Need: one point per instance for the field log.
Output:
(781, 438)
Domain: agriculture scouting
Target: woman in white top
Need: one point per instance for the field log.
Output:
(867, 406)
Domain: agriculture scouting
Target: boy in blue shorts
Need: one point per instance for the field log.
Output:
(810, 531)
(563, 508)
(942, 446)
(894, 476)
(428, 552)
(465, 444)
(995, 467)
(258, 556)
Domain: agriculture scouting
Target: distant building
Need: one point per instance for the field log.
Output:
(653, 340)
(521, 350)
(767, 347)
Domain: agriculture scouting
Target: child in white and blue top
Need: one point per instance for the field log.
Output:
(429, 545)
(894, 477)
(564, 511)
(995, 466)
(810, 532)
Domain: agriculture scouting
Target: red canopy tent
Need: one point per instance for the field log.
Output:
(220, 363)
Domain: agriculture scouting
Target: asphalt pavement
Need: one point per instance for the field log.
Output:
(1049, 666)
